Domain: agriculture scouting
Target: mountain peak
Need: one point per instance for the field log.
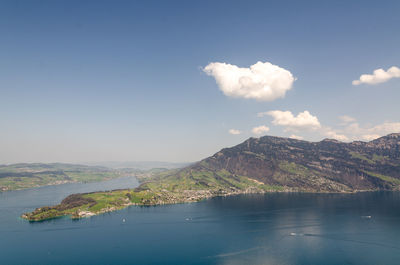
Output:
(393, 135)
(388, 138)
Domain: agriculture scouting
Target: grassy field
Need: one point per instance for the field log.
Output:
(385, 178)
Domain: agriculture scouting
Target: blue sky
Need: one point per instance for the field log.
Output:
(123, 80)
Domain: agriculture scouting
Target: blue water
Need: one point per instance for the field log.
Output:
(277, 228)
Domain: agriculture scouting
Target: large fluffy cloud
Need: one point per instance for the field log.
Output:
(303, 120)
(260, 129)
(261, 81)
(378, 76)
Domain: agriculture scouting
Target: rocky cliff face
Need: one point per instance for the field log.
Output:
(328, 165)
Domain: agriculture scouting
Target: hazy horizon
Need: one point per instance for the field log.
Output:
(178, 81)
(105, 162)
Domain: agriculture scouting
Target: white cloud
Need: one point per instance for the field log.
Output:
(234, 131)
(330, 133)
(371, 133)
(356, 132)
(370, 137)
(378, 76)
(303, 120)
(349, 131)
(260, 129)
(346, 119)
(386, 128)
(296, 137)
(261, 81)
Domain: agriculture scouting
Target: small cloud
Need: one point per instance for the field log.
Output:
(261, 81)
(378, 76)
(234, 131)
(293, 136)
(370, 137)
(260, 130)
(386, 128)
(346, 119)
(328, 132)
(303, 120)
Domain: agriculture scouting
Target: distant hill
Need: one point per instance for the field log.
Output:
(141, 165)
(28, 175)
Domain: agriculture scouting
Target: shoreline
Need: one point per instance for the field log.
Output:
(80, 214)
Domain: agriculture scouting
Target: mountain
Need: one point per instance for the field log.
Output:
(325, 166)
(257, 165)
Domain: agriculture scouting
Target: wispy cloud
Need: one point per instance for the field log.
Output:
(260, 130)
(378, 76)
(350, 130)
(261, 81)
(234, 132)
(346, 119)
(296, 137)
(371, 132)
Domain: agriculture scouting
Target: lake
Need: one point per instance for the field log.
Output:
(275, 228)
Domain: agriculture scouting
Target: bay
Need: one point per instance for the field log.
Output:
(273, 228)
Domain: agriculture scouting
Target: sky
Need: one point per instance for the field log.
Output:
(85, 81)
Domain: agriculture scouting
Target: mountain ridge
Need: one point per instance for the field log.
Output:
(270, 159)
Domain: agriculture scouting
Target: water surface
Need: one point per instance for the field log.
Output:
(277, 228)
